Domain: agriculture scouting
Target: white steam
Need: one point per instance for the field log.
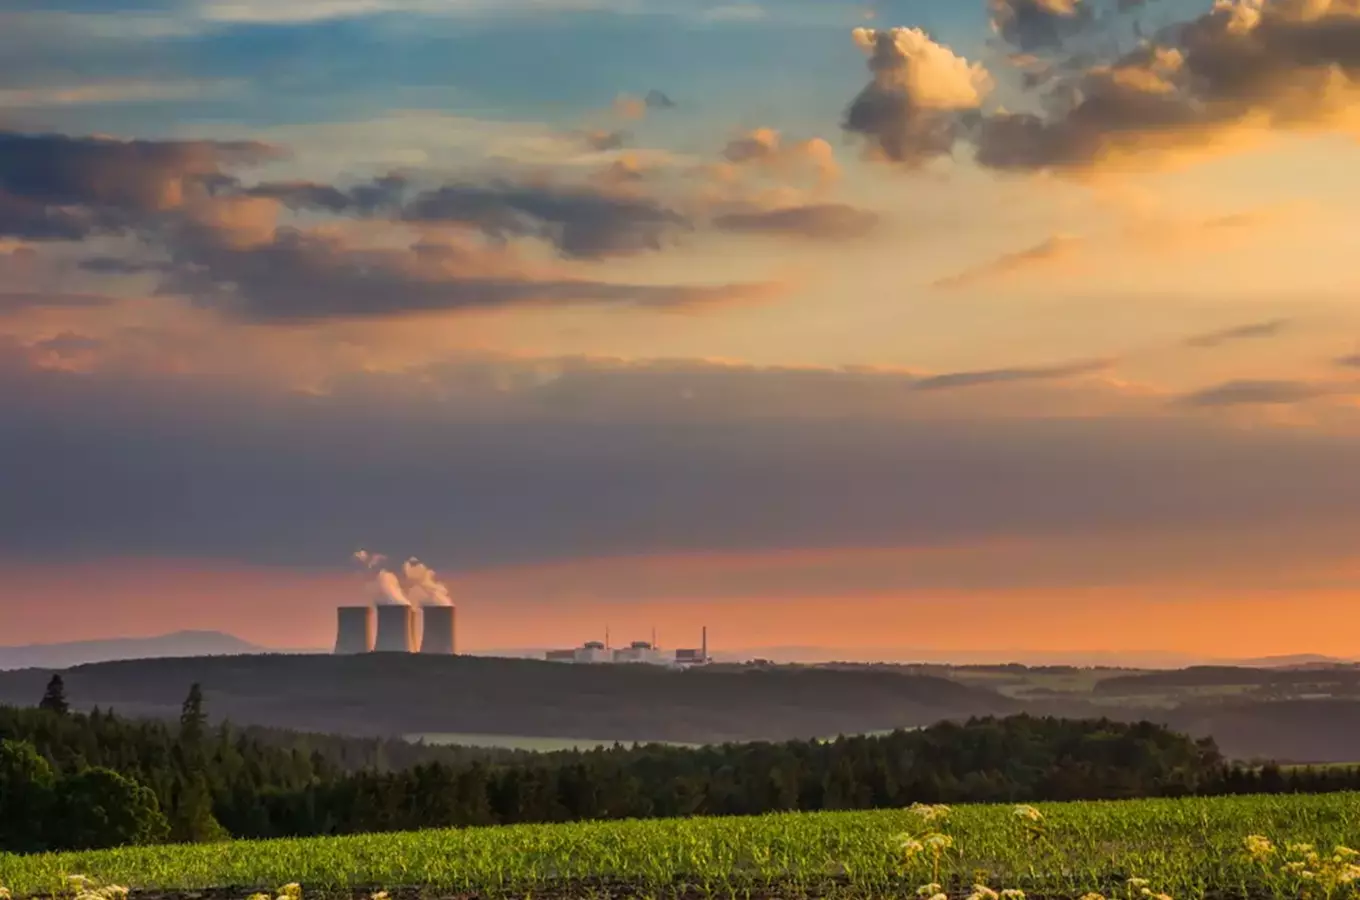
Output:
(369, 560)
(416, 585)
(422, 585)
(389, 591)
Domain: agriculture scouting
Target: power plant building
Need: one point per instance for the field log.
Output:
(438, 632)
(396, 629)
(354, 630)
(638, 652)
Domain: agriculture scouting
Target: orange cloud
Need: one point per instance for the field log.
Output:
(1049, 252)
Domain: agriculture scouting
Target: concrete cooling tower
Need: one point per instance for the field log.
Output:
(396, 629)
(439, 633)
(354, 630)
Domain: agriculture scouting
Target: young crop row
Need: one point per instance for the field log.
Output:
(1279, 846)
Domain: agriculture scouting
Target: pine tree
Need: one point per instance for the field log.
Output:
(54, 698)
(192, 820)
(192, 720)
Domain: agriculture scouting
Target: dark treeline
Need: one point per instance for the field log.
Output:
(192, 782)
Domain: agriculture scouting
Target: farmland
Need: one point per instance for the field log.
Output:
(1189, 849)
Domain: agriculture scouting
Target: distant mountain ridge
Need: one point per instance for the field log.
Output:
(79, 653)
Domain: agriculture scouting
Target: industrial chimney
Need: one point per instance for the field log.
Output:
(354, 630)
(396, 629)
(439, 630)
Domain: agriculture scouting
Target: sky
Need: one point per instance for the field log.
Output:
(1007, 329)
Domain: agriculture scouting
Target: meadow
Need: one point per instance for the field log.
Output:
(1188, 849)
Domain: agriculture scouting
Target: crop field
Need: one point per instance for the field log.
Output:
(1190, 849)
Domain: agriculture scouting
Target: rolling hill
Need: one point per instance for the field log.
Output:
(392, 694)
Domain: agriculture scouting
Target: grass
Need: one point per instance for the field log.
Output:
(1190, 849)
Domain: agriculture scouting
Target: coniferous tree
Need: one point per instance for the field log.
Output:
(193, 721)
(191, 814)
(192, 820)
(54, 698)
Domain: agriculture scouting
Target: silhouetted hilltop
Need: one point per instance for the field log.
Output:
(387, 694)
(76, 653)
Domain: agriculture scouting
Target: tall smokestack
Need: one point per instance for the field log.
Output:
(703, 652)
(439, 630)
(396, 629)
(354, 630)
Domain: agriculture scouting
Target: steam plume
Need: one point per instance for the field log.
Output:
(389, 590)
(369, 560)
(416, 585)
(423, 586)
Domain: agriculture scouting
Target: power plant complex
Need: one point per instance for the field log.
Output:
(646, 652)
(397, 629)
(412, 607)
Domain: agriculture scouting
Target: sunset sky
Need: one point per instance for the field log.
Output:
(974, 328)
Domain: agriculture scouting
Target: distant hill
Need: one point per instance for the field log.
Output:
(1295, 661)
(392, 694)
(1275, 683)
(76, 653)
(1298, 731)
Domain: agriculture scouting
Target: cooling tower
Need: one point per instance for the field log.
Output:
(438, 635)
(354, 630)
(396, 629)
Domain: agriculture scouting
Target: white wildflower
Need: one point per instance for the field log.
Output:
(938, 842)
(982, 892)
(910, 845)
(929, 812)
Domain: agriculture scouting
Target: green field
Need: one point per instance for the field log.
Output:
(1186, 848)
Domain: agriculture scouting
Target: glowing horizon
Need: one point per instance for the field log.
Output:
(992, 327)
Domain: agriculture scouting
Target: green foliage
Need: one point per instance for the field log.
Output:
(99, 808)
(27, 793)
(192, 819)
(1191, 848)
(215, 782)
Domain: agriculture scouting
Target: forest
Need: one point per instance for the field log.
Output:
(62, 773)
